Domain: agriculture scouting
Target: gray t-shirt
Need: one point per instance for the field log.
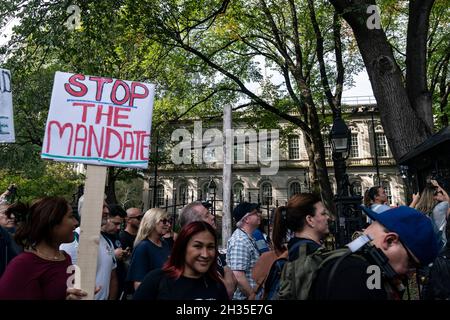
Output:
(439, 217)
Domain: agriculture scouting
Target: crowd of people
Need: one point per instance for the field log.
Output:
(141, 257)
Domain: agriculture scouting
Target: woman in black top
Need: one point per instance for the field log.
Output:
(190, 273)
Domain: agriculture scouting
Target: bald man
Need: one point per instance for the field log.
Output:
(133, 220)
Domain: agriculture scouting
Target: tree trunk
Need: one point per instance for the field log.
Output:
(416, 60)
(111, 186)
(404, 126)
(318, 154)
(313, 181)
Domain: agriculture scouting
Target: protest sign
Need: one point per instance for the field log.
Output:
(6, 108)
(98, 120)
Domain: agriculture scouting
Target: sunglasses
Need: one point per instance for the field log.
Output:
(412, 263)
(165, 221)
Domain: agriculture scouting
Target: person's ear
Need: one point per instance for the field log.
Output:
(309, 220)
(390, 239)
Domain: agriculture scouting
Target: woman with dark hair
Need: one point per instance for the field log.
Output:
(40, 272)
(305, 216)
(190, 273)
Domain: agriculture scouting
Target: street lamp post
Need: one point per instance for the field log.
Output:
(211, 198)
(375, 148)
(349, 217)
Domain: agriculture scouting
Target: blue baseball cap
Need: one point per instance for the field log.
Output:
(414, 229)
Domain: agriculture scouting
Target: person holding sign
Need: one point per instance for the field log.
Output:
(190, 273)
(40, 273)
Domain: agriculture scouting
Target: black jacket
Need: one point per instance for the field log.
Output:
(7, 249)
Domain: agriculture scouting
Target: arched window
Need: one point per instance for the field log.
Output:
(160, 196)
(387, 189)
(266, 193)
(238, 192)
(208, 190)
(294, 188)
(183, 193)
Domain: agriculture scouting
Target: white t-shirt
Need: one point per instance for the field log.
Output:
(72, 247)
(377, 208)
(106, 262)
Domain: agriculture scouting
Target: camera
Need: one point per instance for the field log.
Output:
(12, 188)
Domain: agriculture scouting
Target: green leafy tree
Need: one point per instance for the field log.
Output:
(407, 72)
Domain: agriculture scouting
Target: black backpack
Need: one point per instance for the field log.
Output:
(437, 286)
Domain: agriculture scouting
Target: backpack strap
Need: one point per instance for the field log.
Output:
(298, 244)
(333, 271)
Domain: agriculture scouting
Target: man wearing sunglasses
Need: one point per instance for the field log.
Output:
(401, 239)
(133, 221)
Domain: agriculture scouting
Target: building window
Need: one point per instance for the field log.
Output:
(269, 149)
(238, 192)
(160, 196)
(354, 152)
(266, 193)
(357, 188)
(327, 145)
(387, 189)
(183, 194)
(239, 153)
(294, 188)
(294, 150)
(381, 144)
(210, 155)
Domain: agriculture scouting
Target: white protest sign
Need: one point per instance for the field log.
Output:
(6, 109)
(98, 120)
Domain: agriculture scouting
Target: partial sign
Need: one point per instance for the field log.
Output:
(6, 108)
(96, 120)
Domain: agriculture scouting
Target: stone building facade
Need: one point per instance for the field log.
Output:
(178, 184)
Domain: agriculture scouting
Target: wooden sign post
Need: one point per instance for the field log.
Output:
(90, 226)
(98, 121)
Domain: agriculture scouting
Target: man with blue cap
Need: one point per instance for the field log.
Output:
(398, 240)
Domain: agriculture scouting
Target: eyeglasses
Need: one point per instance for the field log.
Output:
(115, 223)
(165, 221)
(412, 263)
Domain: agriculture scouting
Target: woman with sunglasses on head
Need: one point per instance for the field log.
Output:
(190, 273)
(434, 203)
(150, 249)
